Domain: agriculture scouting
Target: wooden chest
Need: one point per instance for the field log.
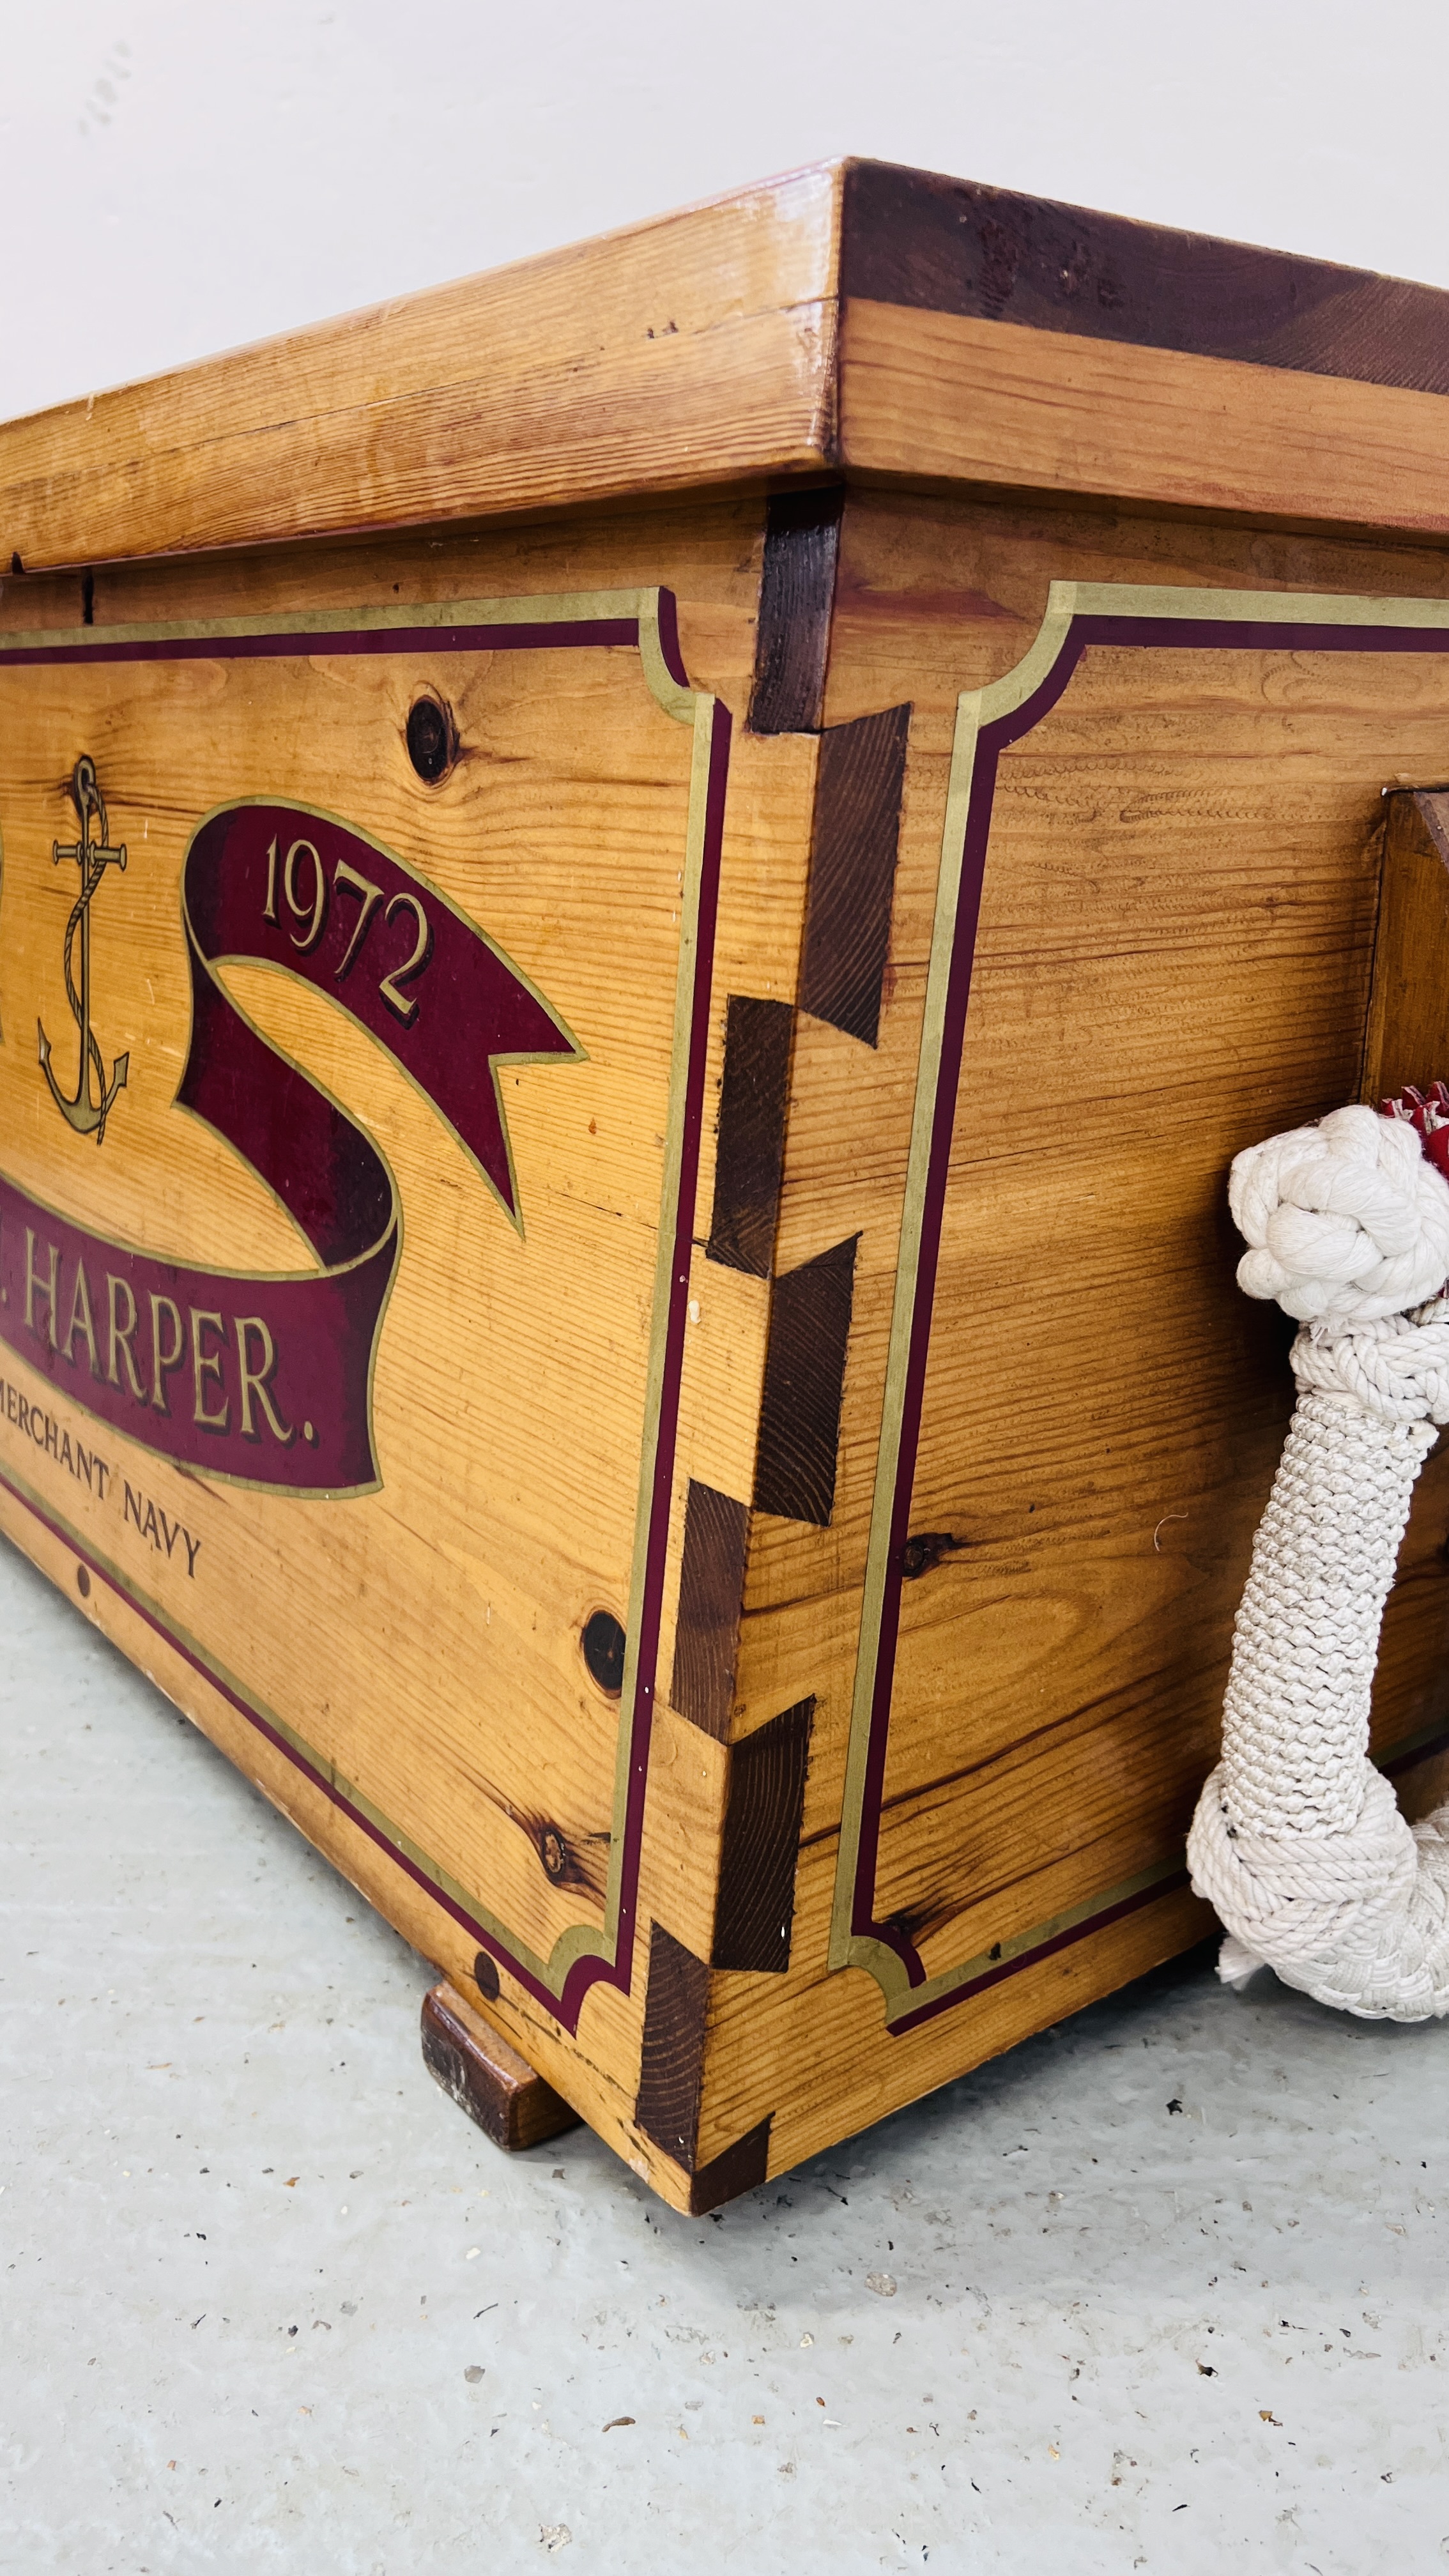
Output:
(643, 900)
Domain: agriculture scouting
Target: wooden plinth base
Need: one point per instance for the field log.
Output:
(486, 2077)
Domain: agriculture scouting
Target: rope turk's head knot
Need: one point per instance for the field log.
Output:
(1349, 1220)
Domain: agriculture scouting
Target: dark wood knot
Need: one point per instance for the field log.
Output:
(603, 1644)
(432, 739)
(923, 1552)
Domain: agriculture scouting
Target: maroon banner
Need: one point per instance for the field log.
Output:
(261, 1378)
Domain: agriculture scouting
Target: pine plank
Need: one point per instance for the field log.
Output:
(944, 396)
(694, 350)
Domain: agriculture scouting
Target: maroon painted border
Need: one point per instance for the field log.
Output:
(1169, 1885)
(587, 1971)
(1121, 630)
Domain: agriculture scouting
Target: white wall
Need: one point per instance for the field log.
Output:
(179, 175)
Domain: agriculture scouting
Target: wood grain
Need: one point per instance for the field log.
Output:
(479, 2070)
(1061, 1667)
(697, 349)
(700, 349)
(750, 1139)
(756, 1900)
(671, 2066)
(810, 1311)
(1179, 912)
(1106, 1451)
(671, 2085)
(936, 593)
(538, 1837)
(464, 1589)
(953, 246)
(858, 793)
(737, 2168)
(964, 400)
(711, 1583)
(786, 2044)
(597, 2072)
(1407, 1039)
(797, 590)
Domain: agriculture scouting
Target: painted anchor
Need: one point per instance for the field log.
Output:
(86, 1112)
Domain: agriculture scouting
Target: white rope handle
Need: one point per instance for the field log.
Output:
(1297, 1840)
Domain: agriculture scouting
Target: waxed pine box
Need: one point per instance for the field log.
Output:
(643, 901)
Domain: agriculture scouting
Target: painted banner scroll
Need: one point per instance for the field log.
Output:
(263, 1379)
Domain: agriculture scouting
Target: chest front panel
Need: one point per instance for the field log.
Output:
(345, 1142)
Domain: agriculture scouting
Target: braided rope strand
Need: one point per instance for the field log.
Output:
(1298, 1841)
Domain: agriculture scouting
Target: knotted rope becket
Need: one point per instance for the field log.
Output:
(1298, 1841)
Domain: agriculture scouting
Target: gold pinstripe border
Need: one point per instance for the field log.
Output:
(582, 1942)
(1068, 602)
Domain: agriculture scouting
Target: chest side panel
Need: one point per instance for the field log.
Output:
(1177, 901)
(1173, 955)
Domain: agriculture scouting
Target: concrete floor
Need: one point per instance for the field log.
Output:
(1168, 2283)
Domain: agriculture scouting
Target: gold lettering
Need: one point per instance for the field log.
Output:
(256, 1382)
(118, 1337)
(346, 880)
(406, 974)
(205, 1364)
(80, 1320)
(315, 926)
(49, 1287)
(162, 1362)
